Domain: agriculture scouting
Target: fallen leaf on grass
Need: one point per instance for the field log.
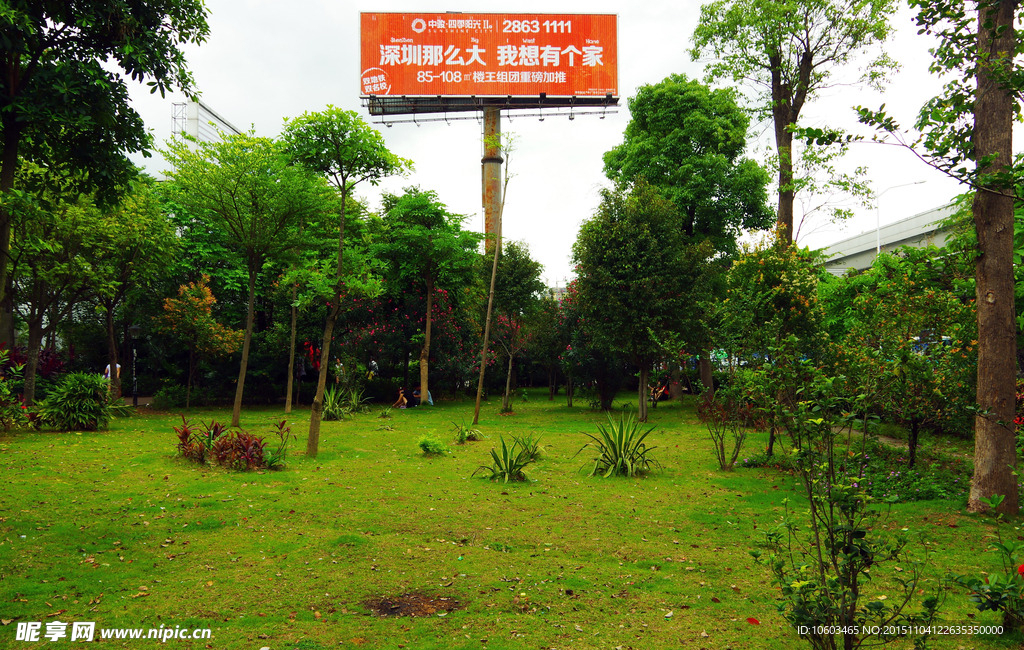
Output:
(715, 599)
(753, 621)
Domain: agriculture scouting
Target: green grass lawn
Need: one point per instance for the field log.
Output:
(110, 527)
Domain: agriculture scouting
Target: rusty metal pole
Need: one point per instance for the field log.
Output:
(491, 163)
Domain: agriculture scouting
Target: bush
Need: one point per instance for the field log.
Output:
(508, 465)
(530, 445)
(239, 450)
(431, 446)
(723, 415)
(80, 402)
(621, 450)
(170, 396)
(13, 414)
(333, 407)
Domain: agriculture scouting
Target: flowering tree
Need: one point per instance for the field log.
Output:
(513, 338)
(189, 318)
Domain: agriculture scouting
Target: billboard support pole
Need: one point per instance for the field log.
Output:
(491, 163)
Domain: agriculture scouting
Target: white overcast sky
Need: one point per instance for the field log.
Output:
(267, 60)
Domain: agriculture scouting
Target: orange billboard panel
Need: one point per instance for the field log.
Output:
(461, 55)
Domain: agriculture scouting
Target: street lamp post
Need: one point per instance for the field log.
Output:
(878, 214)
(133, 330)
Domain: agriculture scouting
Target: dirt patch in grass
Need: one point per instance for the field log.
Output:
(415, 605)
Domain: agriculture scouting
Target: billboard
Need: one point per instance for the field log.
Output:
(456, 55)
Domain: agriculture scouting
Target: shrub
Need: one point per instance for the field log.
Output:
(465, 433)
(333, 407)
(80, 402)
(431, 446)
(13, 414)
(822, 559)
(239, 450)
(530, 445)
(507, 465)
(385, 413)
(621, 449)
(354, 401)
(169, 396)
(724, 417)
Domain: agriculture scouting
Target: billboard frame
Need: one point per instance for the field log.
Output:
(414, 104)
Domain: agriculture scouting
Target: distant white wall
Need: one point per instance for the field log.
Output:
(200, 121)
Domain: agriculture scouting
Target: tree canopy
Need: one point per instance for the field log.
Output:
(688, 141)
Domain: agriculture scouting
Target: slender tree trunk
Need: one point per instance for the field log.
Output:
(236, 412)
(995, 457)
(291, 357)
(569, 390)
(642, 391)
(317, 410)
(115, 376)
(425, 351)
(915, 429)
(192, 362)
(35, 339)
(506, 400)
(8, 165)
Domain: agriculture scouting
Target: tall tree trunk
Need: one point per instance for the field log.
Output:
(291, 357)
(784, 144)
(115, 376)
(425, 352)
(487, 327)
(236, 412)
(995, 456)
(642, 391)
(35, 339)
(569, 390)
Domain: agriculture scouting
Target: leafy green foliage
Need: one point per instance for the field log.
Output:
(13, 414)
(80, 402)
(688, 141)
(189, 319)
(508, 463)
(620, 447)
(333, 404)
(631, 250)
(431, 445)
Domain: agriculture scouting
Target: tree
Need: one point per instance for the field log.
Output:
(142, 244)
(688, 140)
(244, 187)
(789, 51)
(62, 105)
(967, 133)
(55, 243)
(340, 146)
(517, 286)
(189, 318)
(636, 276)
(426, 246)
(513, 338)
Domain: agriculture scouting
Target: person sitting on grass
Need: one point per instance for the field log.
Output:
(401, 401)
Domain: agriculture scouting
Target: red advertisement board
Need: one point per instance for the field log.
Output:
(461, 55)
